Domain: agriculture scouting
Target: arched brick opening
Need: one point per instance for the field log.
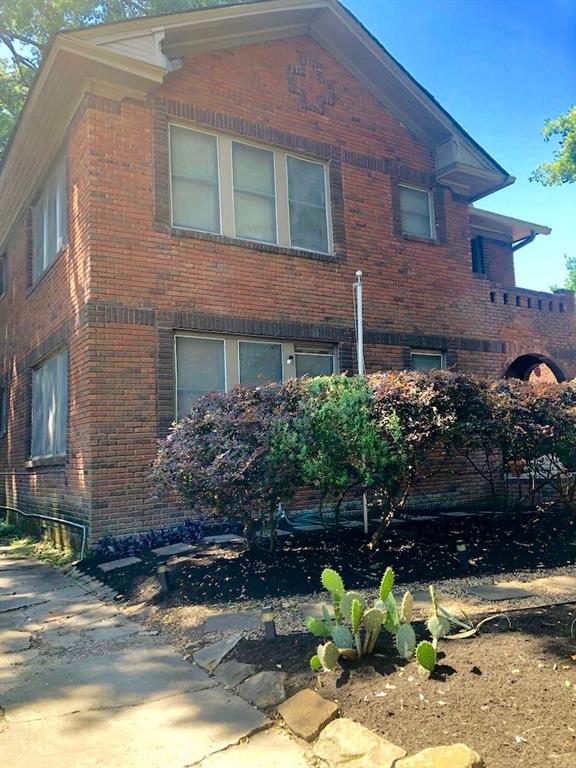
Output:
(533, 367)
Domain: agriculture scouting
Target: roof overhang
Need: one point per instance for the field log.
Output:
(71, 69)
(505, 228)
(132, 57)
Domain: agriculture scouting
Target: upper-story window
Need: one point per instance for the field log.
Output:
(416, 212)
(3, 273)
(477, 248)
(427, 360)
(229, 187)
(50, 215)
(50, 406)
(3, 410)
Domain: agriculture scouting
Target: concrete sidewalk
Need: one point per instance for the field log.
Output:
(82, 686)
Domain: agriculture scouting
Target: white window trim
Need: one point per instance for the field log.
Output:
(429, 353)
(431, 214)
(232, 356)
(226, 190)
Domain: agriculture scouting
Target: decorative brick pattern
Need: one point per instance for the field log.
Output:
(307, 80)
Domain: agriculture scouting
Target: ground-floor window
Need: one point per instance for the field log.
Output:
(427, 360)
(207, 363)
(50, 406)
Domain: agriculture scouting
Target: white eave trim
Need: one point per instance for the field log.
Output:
(502, 227)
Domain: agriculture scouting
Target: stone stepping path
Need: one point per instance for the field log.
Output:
(346, 744)
(307, 713)
(224, 538)
(232, 673)
(231, 622)
(173, 549)
(211, 655)
(113, 565)
(504, 590)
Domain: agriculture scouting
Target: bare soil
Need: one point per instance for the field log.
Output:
(508, 693)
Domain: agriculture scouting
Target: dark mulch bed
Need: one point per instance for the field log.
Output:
(505, 693)
(418, 553)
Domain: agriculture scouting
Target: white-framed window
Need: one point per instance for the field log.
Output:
(248, 191)
(3, 410)
(50, 406)
(3, 274)
(427, 360)
(417, 212)
(211, 363)
(50, 219)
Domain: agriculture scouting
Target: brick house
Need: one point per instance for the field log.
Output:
(183, 206)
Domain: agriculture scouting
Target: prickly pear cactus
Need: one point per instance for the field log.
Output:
(426, 656)
(373, 620)
(392, 620)
(316, 664)
(434, 599)
(356, 611)
(406, 641)
(328, 655)
(346, 604)
(317, 627)
(438, 626)
(407, 608)
(342, 637)
(387, 583)
(332, 581)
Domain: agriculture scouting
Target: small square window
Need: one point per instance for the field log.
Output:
(416, 212)
(427, 361)
(260, 362)
(309, 363)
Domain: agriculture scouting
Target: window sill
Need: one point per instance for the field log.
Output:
(420, 239)
(30, 290)
(254, 245)
(480, 276)
(46, 461)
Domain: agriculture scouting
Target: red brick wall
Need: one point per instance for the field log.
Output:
(499, 261)
(127, 281)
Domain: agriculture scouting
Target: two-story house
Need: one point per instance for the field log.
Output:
(183, 207)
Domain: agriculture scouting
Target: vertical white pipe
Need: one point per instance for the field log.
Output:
(360, 358)
(359, 323)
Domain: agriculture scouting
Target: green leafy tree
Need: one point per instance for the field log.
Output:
(570, 282)
(562, 169)
(342, 450)
(27, 26)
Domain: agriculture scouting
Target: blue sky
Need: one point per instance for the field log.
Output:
(500, 67)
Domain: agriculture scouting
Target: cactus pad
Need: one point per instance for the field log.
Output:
(342, 637)
(406, 641)
(328, 655)
(438, 626)
(392, 619)
(387, 583)
(346, 604)
(356, 615)
(407, 608)
(315, 664)
(332, 581)
(373, 619)
(426, 655)
(317, 627)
